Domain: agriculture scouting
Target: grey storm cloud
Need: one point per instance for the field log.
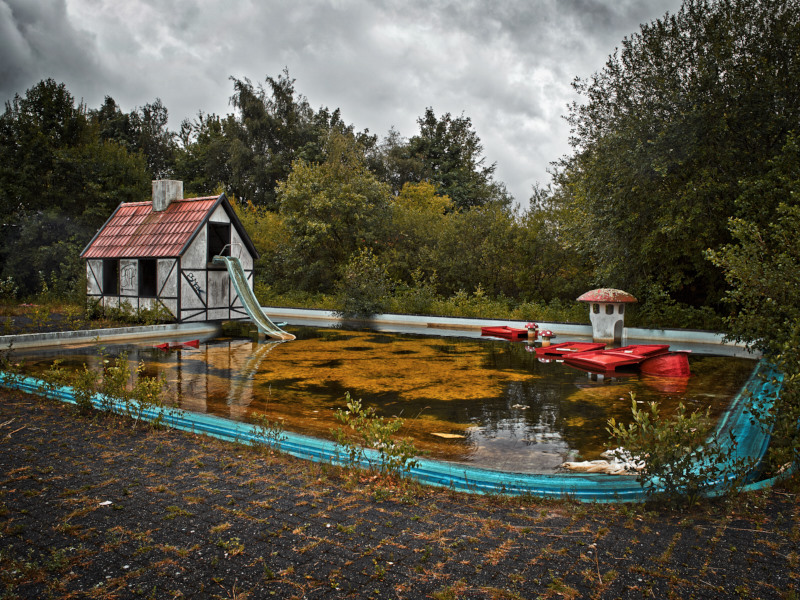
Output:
(507, 65)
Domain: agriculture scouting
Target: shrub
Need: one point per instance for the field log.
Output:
(84, 386)
(371, 431)
(268, 434)
(782, 418)
(680, 463)
(39, 316)
(417, 298)
(364, 287)
(8, 289)
(658, 310)
(147, 393)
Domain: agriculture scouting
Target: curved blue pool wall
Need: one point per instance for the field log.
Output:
(750, 439)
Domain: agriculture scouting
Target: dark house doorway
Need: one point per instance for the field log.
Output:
(148, 282)
(110, 277)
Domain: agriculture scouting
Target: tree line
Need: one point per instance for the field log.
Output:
(315, 192)
(682, 142)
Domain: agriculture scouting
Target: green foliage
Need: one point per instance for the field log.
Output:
(363, 289)
(275, 127)
(762, 268)
(680, 463)
(59, 181)
(125, 313)
(331, 211)
(114, 381)
(446, 152)
(268, 434)
(418, 216)
(782, 419)
(657, 309)
(146, 394)
(687, 110)
(55, 376)
(84, 387)
(39, 315)
(143, 130)
(365, 429)
(763, 271)
(417, 298)
(130, 391)
(8, 289)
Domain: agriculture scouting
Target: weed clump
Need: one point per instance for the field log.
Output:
(366, 430)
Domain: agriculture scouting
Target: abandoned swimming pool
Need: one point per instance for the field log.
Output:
(478, 403)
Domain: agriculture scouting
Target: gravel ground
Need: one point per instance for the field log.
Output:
(95, 507)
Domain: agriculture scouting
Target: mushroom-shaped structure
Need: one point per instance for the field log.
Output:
(607, 313)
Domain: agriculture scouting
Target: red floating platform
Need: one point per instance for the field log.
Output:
(672, 364)
(563, 349)
(605, 361)
(176, 345)
(507, 333)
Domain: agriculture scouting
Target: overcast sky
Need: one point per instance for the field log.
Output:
(507, 65)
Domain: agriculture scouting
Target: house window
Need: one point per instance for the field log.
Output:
(609, 309)
(219, 239)
(147, 278)
(110, 277)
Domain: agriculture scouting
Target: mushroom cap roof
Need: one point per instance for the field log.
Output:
(606, 295)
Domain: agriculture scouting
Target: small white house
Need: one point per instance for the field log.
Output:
(160, 252)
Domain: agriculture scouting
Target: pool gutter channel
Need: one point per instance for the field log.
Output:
(750, 438)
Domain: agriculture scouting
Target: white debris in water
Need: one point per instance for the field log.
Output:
(622, 463)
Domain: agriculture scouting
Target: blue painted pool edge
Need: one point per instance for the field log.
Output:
(762, 385)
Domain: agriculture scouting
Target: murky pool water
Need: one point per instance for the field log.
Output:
(498, 405)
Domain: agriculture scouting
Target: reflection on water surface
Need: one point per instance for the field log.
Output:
(499, 406)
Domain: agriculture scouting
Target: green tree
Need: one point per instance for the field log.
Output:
(418, 217)
(141, 130)
(203, 158)
(331, 210)
(446, 152)
(273, 128)
(479, 248)
(59, 181)
(762, 268)
(688, 108)
(363, 288)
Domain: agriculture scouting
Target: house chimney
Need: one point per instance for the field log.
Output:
(164, 192)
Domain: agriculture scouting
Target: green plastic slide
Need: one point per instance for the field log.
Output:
(251, 305)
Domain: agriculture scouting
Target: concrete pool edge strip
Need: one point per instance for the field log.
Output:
(690, 336)
(116, 334)
(763, 384)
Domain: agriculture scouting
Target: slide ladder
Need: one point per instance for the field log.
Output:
(251, 305)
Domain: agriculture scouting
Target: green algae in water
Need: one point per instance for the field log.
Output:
(483, 402)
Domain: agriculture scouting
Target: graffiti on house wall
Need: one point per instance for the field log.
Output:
(193, 282)
(127, 278)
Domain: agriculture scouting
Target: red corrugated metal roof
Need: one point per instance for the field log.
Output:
(136, 231)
